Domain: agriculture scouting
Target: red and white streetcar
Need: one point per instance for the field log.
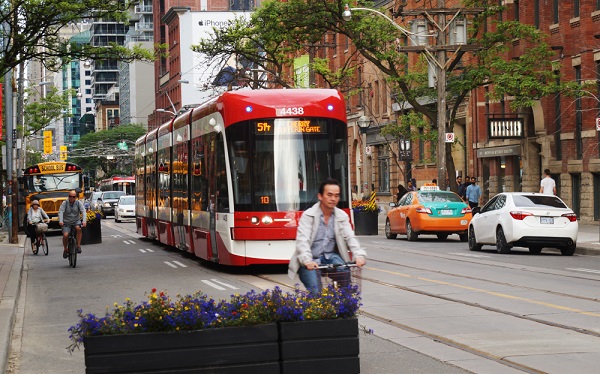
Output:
(228, 180)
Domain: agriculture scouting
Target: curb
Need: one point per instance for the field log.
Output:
(9, 300)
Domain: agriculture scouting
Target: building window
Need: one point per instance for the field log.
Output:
(384, 169)
(578, 118)
(421, 145)
(241, 4)
(517, 10)
(555, 11)
(576, 193)
(576, 8)
(536, 14)
(557, 120)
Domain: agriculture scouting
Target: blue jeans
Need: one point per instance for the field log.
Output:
(311, 279)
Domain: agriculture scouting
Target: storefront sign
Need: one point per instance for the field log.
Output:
(505, 128)
(511, 150)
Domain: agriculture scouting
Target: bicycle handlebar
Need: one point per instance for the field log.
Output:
(350, 264)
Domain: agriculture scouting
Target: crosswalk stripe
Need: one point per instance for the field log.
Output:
(180, 264)
(149, 250)
(128, 242)
(170, 264)
(224, 284)
(141, 250)
(585, 270)
(467, 255)
(209, 283)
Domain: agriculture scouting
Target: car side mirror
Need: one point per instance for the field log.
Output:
(476, 210)
(393, 205)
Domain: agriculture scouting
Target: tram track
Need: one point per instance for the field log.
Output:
(449, 341)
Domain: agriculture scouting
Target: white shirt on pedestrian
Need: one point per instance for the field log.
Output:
(548, 186)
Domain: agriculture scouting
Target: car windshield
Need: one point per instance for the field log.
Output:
(538, 201)
(127, 200)
(96, 195)
(112, 195)
(438, 197)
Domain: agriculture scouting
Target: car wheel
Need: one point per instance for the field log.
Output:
(473, 246)
(463, 237)
(501, 244)
(117, 218)
(388, 230)
(568, 250)
(535, 249)
(411, 236)
(442, 237)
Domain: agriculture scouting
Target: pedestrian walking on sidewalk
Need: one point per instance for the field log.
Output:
(547, 184)
(473, 193)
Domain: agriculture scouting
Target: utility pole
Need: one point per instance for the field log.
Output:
(441, 99)
(11, 184)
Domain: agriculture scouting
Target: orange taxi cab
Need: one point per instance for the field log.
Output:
(428, 211)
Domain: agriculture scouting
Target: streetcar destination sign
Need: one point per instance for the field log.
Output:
(280, 127)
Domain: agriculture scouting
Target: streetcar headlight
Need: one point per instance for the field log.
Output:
(267, 220)
(254, 220)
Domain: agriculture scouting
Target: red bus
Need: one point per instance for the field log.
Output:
(125, 184)
(228, 180)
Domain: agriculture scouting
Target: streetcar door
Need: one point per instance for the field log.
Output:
(215, 148)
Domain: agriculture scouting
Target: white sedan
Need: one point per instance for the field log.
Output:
(125, 208)
(524, 219)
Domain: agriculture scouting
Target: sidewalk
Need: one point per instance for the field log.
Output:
(11, 267)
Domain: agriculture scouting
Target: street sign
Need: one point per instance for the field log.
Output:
(449, 137)
(598, 124)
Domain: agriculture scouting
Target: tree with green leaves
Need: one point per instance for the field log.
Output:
(104, 150)
(279, 31)
(50, 108)
(32, 30)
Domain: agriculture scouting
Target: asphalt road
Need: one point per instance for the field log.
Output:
(434, 306)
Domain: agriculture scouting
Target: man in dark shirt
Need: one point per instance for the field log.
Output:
(462, 189)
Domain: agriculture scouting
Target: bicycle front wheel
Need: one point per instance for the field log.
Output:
(45, 245)
(72, 252)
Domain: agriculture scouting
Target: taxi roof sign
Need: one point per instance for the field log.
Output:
(430, 187)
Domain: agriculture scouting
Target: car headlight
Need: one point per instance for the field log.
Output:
(107, 205)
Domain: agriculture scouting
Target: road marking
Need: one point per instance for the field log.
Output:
(116, 236)
(141, 250)
(498, 294)
(585, 270)
(467, 255)
(128, 242)
(209, 283)
(149, 250)
(170, 264)
(224, 284)
(180, 264)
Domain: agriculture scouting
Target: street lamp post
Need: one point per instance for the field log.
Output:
(364, 123)
(438, 61)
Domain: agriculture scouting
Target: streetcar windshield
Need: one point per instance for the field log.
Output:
(278, 164)
(52, 182)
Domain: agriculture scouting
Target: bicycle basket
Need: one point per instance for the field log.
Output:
(41, 227)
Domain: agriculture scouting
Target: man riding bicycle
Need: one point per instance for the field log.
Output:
(71, 214)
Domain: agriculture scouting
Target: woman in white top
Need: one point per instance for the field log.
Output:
(35, 215)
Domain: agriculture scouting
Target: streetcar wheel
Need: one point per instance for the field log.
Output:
(442, 237)
(535, 249)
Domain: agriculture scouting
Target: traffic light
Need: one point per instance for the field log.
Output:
(63, 152)
(47, 142)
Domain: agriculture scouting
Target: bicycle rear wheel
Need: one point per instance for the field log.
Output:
(45, 245)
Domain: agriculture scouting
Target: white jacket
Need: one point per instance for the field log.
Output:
(307, 230)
